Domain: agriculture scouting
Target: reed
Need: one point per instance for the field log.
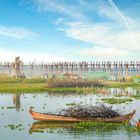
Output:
(53, 83)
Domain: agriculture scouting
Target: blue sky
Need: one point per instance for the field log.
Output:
(70, 30)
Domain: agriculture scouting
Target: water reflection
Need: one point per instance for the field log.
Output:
(16, 101)
(93, 129)
(42, 125)
(50, 102)
(123, 91)
(99, 92)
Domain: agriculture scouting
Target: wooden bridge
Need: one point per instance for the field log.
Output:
(121, 69)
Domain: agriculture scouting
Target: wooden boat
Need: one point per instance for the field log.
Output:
(47, 117)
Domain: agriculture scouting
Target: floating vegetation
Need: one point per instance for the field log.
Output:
(31, 107)
(2, 107)
(50, 130)
(70, 104)
(116, 100)
(89, 112)
(34, 96)
(11, 107)
(133, 129)
(13, 127)
(98, 126)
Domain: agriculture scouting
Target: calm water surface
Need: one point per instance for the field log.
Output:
(14, 111)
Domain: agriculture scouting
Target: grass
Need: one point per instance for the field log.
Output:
(124, 85)
(115, 84)
(22, 87)
(72, 89)
(116, 100)
(30, 87)
(18, 85)
(137, 96)
(118, 95)
(19, 80)
(36, 84)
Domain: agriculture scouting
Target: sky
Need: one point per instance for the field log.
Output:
(70, 30)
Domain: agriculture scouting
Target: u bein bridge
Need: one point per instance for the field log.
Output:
(76, 69)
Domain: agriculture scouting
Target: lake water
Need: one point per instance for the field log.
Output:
(16, 123)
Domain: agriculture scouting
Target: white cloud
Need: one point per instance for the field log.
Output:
(16, 32)
(115, 32)
(58, 21)
(105, 35)
(113, 42)
(8, 56)
(58, 6)
(102, 52)
(92, 33)
(125, 41)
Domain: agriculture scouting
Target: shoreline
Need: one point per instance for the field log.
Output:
(36, 86)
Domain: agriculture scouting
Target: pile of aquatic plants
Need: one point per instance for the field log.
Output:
(51, 83)
(89, 111)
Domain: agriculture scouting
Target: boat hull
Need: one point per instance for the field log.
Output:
(46, 117)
